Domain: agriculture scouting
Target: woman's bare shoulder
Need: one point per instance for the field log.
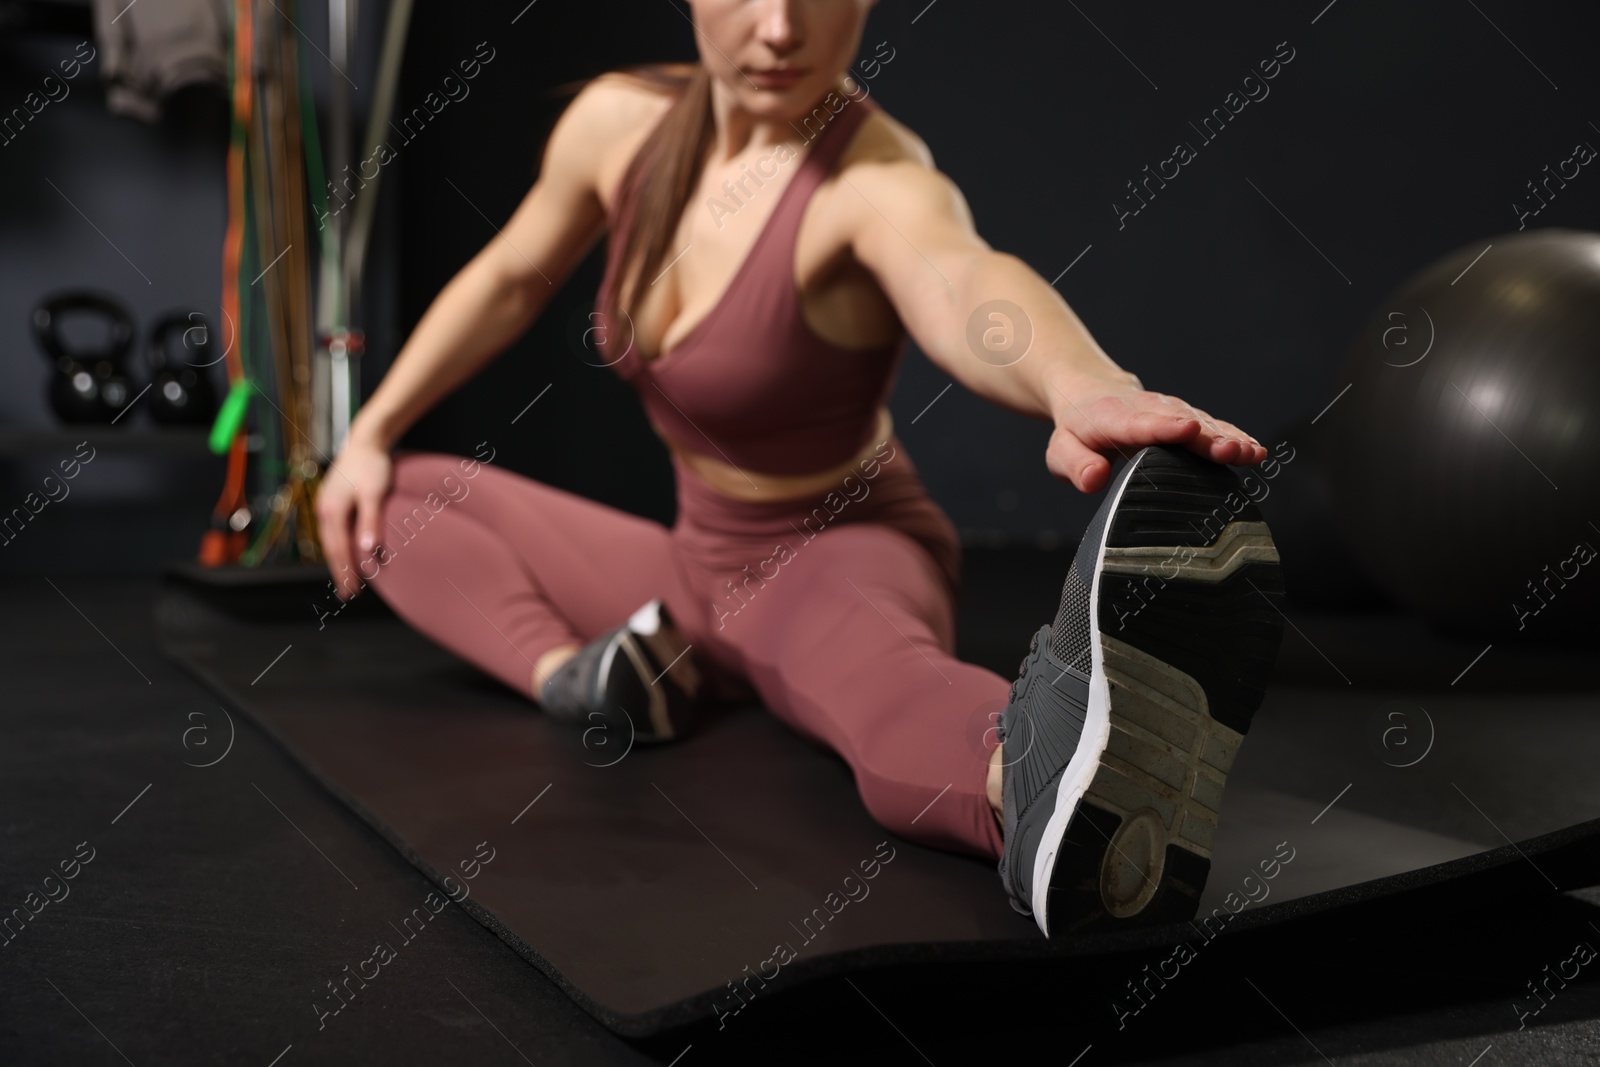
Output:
(604, 125)
(888, 164)
(608, 120)
(884, 139)
(619, 102)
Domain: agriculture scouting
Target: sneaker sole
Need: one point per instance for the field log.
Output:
(1185, 600)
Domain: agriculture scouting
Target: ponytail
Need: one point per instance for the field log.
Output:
(662, 177)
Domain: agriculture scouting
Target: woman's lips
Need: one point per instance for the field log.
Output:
(777, 79)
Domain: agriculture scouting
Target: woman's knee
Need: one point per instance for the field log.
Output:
(424, 486)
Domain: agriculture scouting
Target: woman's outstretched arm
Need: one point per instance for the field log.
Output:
(486, 306)
(911, 227)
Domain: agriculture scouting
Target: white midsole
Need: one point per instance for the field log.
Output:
(1096, 735)
(646, 620)
(604, 672)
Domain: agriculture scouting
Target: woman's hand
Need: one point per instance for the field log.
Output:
(1117, 414)
(350, 510)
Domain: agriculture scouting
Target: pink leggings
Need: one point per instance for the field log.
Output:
(837, 612)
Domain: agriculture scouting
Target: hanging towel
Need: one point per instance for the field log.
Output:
(150, 48)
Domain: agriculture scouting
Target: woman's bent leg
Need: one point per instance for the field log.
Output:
(850, 644)
(501, 569)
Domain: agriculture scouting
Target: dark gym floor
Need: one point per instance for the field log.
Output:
(215, 911)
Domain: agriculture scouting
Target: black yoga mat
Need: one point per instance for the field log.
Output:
(645, 885)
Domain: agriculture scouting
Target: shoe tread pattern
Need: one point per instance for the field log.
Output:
(1187, 663)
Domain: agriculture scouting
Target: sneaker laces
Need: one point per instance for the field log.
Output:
(1022, 670)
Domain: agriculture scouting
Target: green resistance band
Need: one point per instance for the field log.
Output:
(230, 418)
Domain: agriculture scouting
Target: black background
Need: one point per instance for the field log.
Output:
(1398, 133)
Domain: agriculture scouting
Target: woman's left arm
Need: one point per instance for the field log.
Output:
(911, 228)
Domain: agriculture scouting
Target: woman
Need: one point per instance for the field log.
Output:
(773, 237)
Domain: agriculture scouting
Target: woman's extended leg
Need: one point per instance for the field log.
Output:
(851, 644)
(501, 569)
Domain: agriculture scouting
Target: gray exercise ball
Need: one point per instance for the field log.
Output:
(1465, 455)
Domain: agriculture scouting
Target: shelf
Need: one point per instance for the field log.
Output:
(182, 442)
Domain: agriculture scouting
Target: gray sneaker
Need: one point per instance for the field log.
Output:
(1129, 709)
(637, 680)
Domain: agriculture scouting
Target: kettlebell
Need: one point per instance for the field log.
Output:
(88, 384)
(181, 393)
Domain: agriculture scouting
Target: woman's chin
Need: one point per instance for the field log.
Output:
(782, 104)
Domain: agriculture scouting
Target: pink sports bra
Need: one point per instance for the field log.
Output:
(753, 383)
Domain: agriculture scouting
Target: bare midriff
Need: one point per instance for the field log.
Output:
(756, 486)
